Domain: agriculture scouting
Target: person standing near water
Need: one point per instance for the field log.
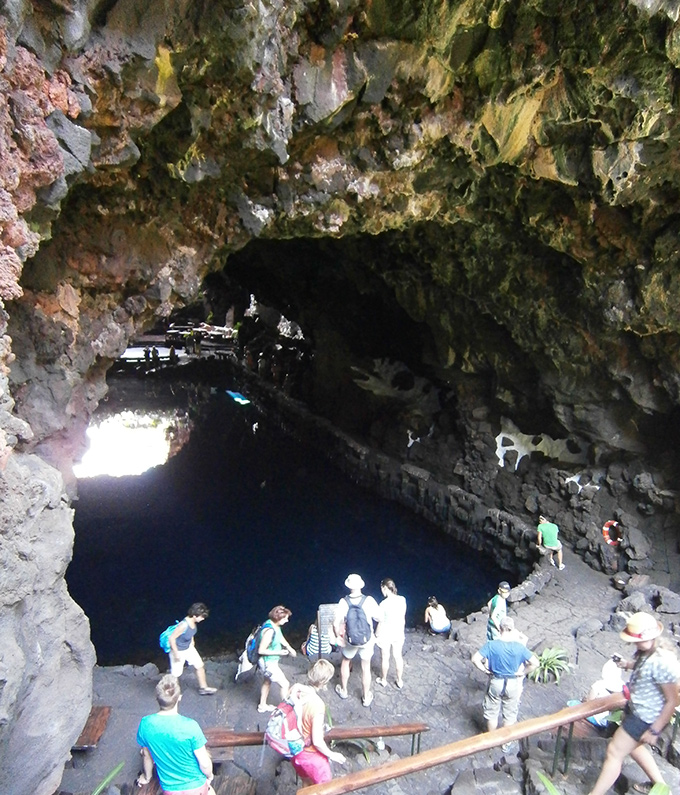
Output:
(183, 650)
(498, 609)
(343, 631)
(390, 632)
(653, 687)
(547, 538)
(175, 744)
(271, 648)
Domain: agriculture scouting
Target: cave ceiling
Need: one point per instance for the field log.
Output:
(487, 191)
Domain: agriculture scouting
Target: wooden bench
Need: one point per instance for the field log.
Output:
(222, 737)
(230, 785)
(93, 729)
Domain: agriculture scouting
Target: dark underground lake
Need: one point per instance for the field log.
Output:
(244, 517)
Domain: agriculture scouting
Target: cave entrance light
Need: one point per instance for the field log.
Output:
(127, 443)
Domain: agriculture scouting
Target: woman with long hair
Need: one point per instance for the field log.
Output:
(390, 632)
(653, 687)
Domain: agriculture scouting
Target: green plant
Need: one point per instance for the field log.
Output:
(365, 746)
(109, 778)
(552, 789)
(552, 663)
(657, 789)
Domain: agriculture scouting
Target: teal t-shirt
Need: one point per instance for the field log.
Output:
(172, 740)
(275, 643)
(549, 531)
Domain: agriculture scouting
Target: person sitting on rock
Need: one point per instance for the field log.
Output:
(435, 617)
(311, 647)
(547, 538)
(609, 682)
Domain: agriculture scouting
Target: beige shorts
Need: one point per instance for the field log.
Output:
(189, 657)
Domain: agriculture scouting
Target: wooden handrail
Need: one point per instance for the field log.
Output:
(219, 737)
(466, 747)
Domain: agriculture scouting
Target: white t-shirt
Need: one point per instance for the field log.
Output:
(393, 618)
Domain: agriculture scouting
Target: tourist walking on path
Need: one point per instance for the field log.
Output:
(653, 687)
(313, 763)
(498, 609)
(507, 661)
(175, 744)
(353, 626)
(390, 632)
(435, 617)
(183, 650)
(547, 538)
(271, 648)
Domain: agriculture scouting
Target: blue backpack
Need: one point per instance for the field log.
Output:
(253, 644)
(164, 637)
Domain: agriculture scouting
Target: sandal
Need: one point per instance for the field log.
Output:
(643, 786)
(342, 693)
(380, 681)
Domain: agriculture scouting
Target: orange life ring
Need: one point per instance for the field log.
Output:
(611, 535)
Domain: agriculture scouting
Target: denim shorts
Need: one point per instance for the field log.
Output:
(633, 726)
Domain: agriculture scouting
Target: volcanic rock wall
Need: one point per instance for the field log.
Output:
(502, 174)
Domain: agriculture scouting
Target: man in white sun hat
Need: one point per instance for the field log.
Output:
(353, 625)
(653, 687)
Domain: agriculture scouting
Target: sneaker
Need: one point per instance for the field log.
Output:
(399, 684)
(552, 562)
(507, 747)
(265, 707)
(380, 681)
(342, 693)
(561, 566)
(368, 700)
(207, 691)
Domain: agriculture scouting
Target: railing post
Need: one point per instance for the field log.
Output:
(567, 753)
(558, 737)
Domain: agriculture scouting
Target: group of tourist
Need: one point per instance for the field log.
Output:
(177, 746)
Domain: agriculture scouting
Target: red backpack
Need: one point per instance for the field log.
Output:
(283, 732)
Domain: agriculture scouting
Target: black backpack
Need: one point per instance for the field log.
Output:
(357, 626)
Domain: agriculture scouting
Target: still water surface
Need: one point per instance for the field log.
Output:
(242, 520)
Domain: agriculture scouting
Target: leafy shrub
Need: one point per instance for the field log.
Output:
(552, 663)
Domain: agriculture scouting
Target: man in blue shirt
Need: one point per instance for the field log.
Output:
(175, 744)
(507, 661)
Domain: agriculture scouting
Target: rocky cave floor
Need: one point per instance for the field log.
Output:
(442, 688)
